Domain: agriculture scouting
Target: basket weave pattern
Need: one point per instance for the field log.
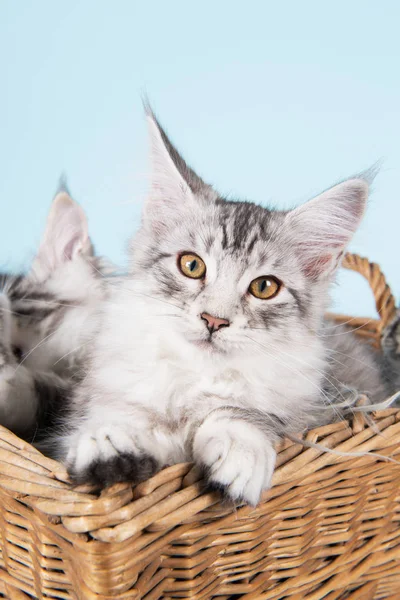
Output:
(328, 528)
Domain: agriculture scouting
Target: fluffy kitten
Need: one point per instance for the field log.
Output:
(44, 321)
(214, 346)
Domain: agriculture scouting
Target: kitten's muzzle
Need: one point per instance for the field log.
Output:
(214, 323)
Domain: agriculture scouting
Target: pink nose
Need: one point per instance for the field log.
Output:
(214, 323)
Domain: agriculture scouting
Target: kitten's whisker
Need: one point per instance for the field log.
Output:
(350, 330)
(98, 271)
(337, 361)
(353, 358)
(354, 318)
(154, 298)
(11, 312)
(71, 352)
(320, 390)
(328, 379)
(325, 376)
(34, 434)
(328, 349)
(45, 339)
(158, 300)
(338, 380)
(144, 295)
(314, 368)
(48, 302)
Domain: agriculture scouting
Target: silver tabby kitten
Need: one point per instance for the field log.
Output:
(44, 321)
(215, 344)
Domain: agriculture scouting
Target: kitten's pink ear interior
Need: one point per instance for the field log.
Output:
(65, 237)
(325, 225)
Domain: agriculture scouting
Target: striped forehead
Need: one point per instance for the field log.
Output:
(241, 231)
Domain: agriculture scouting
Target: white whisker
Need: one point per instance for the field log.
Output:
(318, 371)
(353, 358)
(291, 368)
(350, 330)
(11, 312)
(71, 352)
(353, 319)
(35, 347)
(48, 302)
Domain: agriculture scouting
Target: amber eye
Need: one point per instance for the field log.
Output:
(192, 266)
(264, 287)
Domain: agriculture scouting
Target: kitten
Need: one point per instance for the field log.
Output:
(215, 345)
(44, 321)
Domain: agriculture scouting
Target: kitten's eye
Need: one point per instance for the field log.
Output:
(264, 287)
(192, 266)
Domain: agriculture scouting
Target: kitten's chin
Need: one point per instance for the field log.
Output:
(209, 345)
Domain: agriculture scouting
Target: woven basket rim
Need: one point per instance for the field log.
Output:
(175, 493)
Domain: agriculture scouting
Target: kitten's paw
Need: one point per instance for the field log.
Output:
(237, 458)
(108, 455)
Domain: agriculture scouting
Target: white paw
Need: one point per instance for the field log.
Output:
(107, 454)
(237, 456)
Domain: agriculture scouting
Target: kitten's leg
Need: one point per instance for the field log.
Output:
(18, 400)
(235, 448)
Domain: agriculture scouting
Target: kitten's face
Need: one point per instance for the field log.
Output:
(236, 274)
(230, 261)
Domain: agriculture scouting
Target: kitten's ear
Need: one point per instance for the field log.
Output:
(174, 185)
(66, 236)
(324, 226)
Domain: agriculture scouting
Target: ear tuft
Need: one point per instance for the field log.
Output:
(63, 184)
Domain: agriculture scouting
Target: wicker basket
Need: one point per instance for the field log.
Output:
(328, 528)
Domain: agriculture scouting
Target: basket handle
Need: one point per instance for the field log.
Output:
(384, 299)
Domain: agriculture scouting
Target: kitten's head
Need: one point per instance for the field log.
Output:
(235, 272)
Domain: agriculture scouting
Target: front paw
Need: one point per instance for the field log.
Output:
(236, 457)
(107, 455)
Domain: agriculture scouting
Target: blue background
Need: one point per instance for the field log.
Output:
(270, 101)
